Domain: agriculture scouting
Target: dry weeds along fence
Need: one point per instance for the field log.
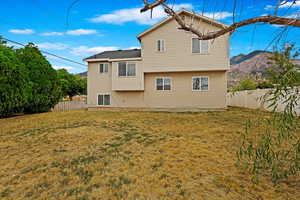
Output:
(69, 105)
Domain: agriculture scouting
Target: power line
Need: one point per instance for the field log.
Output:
(45, 52)
(69, 60)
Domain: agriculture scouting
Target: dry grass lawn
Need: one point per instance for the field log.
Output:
(129, 155)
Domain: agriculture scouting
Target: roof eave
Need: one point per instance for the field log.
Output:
(95, 59)
(220, 24)
(112, 60)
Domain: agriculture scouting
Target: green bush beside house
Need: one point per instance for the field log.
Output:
(29, 84)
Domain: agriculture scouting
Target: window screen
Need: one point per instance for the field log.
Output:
(196, 83)
(204, 46)
(103, 99)
(160, 45)
(126, 69)
(200, 46)
(159, 84)
(200, 83)
(103, 68)
(130, 69)
(195, 45)
(122, 68)
(204, 83)
(163, 83)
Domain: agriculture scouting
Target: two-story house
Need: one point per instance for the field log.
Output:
(173, 69)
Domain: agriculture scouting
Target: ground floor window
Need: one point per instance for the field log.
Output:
(200, 83)
(163, 83)
(103, 99)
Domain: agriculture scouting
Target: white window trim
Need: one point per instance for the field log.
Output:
(127, 69)
(200, 53)
(163, 90)
(103, 64)
(208, 88)
(160, 43)
(103, 101)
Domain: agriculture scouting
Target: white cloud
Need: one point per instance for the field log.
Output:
(69, 68)
(294, 15)
(87, 51)
(76, 32)
(52, 34)
(134, 15)
(22, 31)
(286, 5)
(218, 15)
(264, 14)
(290, 4)
(54, 46)
(269, 7)
(81, 32)
(134, 47)
(277, 26)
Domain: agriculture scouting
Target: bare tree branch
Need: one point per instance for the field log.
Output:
(150, 6)
(225, 30)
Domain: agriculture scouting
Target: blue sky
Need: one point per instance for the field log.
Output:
(94, 26)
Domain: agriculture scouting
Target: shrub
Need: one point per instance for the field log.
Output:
(71, 84)
(265, 84)
(44, 88)
(246, 84)
(12, 82)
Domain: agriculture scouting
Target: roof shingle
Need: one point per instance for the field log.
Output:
(118, 54)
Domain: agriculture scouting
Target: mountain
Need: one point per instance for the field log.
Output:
(242, 57)
(296, 62)
(253, 64)
(83, 74)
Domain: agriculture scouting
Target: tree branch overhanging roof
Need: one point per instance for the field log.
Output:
(187, 12)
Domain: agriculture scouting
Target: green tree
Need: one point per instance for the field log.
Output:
(272, 146)
(283, 72)
(12, 82)
(265, 84)
(82, 84)
(44, 88)
(246, 84)
(71, 84)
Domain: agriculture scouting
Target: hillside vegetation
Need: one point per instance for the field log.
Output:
(129, 155)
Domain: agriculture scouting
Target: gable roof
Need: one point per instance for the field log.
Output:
(118, 54)
(187, 12)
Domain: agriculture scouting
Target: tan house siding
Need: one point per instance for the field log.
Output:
(178, 55)
(128, 83)
(97, 82)
(182, 95)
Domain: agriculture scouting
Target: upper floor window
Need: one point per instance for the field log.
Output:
(103, 68)
(160, 45)
(200, 83)
(163, 83)
(126, 69)
(200, 46)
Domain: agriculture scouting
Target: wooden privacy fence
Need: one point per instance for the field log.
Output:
(69, 105)
(252, 99)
